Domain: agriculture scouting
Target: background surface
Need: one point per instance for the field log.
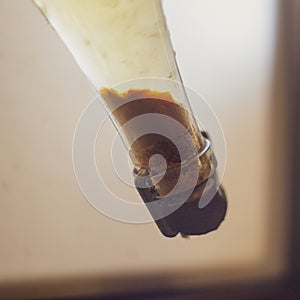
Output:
(231, 53)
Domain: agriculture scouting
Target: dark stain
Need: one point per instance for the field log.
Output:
(16, 166)
(28, 252)
(4, 186)
(87, 42)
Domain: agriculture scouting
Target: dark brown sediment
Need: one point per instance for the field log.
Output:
(128, 105)
(188, 219)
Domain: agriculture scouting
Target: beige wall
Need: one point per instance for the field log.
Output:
(228, 52)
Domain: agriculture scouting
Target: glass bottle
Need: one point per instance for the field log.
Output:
(124, 49)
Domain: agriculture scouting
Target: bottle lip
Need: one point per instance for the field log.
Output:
(205, 152)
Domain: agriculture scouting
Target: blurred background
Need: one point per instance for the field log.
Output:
(242, 57)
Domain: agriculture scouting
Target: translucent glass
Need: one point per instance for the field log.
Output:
(124, 49)
(119, 41)
(114, 40)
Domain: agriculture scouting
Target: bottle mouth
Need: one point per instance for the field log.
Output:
(204, 154)
(190, 218)
(184, 176)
